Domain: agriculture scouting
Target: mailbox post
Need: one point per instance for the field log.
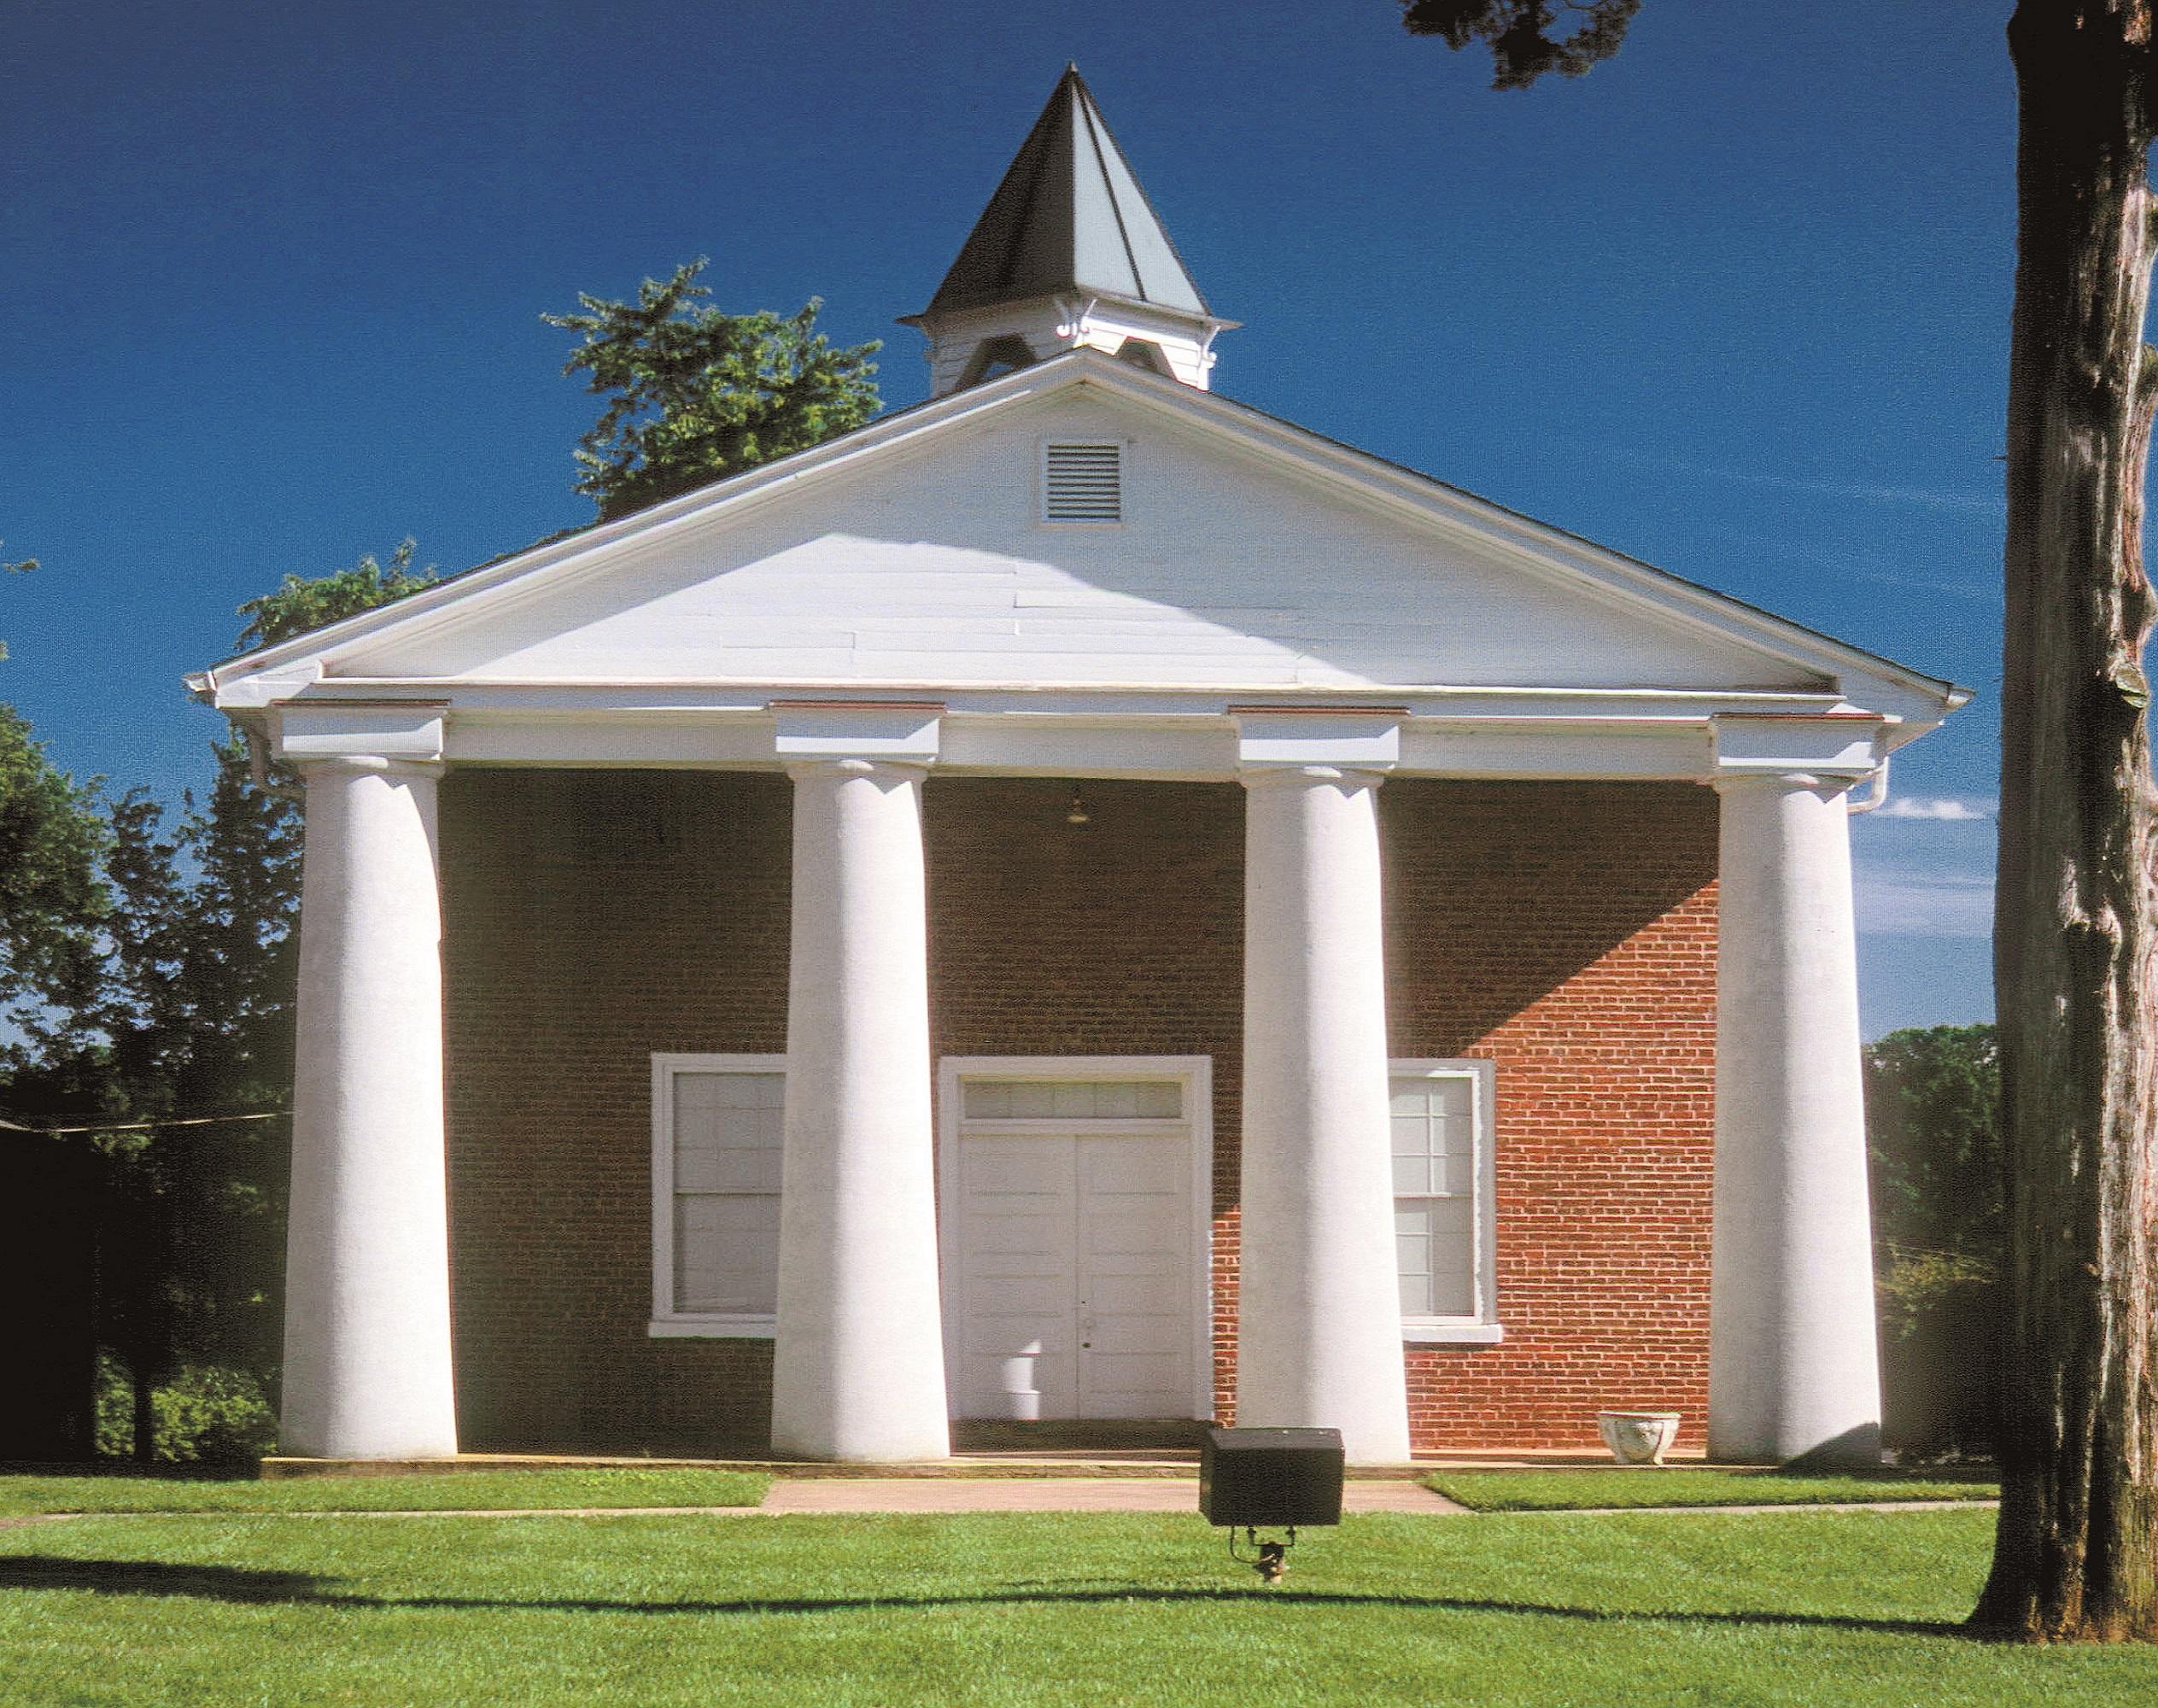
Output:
(1275, 1479)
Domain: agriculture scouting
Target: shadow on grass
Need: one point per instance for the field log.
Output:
(240, 1585)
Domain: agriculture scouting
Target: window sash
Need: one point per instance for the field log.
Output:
(1440, 1145)
(717, 1123)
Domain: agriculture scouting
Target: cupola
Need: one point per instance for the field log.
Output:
(1069, 252)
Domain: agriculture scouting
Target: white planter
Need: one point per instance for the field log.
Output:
(1638, 1437)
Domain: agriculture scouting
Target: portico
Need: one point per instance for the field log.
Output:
(858, 1369)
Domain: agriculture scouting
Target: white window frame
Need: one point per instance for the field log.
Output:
(667, 1322)
(1194, 1074)
(1044, 519)
(1482, 1327)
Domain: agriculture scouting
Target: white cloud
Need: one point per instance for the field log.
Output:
(1940, 809)
(1902, 901)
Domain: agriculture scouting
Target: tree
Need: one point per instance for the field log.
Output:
(1933, 1127)
(2076, 909)
(1518, 33)
(52, 903)
(301, 603)
(694, 395)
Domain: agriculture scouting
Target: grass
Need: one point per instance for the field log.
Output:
(1559, 1491)
(1800, 1608)
(450, 1490)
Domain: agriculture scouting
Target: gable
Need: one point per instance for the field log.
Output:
(924, 563)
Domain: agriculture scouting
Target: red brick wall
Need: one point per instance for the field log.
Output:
(592, 918)
(1567, 933)
(1566, 930)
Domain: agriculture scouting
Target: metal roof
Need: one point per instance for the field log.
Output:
(1068, 216)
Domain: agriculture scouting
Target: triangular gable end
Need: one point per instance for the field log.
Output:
(1253, 557)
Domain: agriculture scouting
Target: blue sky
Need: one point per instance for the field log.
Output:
(1736, 303)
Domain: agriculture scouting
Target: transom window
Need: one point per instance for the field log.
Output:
(1441, 1122)
(1073, 1099)
(717, 1125)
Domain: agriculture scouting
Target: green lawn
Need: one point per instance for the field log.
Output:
(1559, 1491)
(1799, 1608)
(433, 1492)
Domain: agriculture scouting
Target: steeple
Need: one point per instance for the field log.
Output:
(1068, 252)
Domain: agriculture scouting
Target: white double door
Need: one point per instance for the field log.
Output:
(1075, 1294)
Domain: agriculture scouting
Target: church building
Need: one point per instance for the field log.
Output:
(1077, 908)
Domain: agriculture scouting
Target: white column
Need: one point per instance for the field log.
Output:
(1319, 1334)
(858, 1368)
(1793, 1368)
(367, 1369)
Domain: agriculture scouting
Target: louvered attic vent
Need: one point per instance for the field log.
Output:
(1082, 482)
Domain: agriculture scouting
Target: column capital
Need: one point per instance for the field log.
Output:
(1781, 783)
(899, 732)
(1831, 749)
(371, 735)
(1310, 776)
(886, 770)
(1336, 738)
(394, 765)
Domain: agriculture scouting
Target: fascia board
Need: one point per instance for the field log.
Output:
(608, 544)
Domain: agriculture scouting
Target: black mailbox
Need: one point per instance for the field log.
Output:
(1270, 1478)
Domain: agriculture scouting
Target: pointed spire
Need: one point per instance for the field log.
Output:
(1069, 217)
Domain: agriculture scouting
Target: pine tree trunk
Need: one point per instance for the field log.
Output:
(2076, 1556)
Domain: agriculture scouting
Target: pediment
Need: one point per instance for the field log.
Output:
(920, 560)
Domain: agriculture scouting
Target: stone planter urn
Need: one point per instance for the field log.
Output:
(1638, 1437)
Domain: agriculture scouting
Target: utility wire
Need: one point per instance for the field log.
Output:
(140, 1126)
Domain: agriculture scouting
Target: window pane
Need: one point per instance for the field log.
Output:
(729, 1133)
(1413, 1247)
(727, 1251)
(1434, 1143)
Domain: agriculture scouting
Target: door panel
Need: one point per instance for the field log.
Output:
(1015, 1346)
(1074, 1253)
(1134, 1277)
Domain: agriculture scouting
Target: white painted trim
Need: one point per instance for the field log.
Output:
(1483, 1328)
(667, 1323)
(1195, 1074)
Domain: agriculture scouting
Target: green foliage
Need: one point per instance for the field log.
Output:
(693, 395)
(1940, 1230)
(1933, 1126)
(52, 903)
(299, 604)
(1518, 33)
(204, 1414)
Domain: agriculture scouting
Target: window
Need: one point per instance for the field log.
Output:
(994, 357)
(1073, 1099)
(717, 1123)
(1144, 353)
(1082, 482)
(1442, 1200)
